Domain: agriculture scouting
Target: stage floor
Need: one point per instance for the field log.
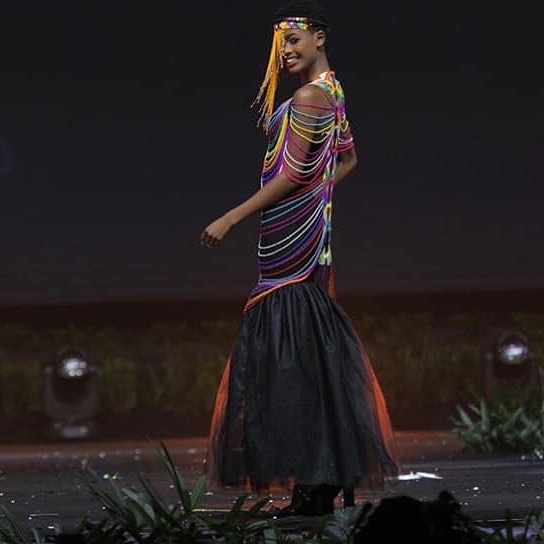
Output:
(47, 484)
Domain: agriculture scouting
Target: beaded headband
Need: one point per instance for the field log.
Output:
(268, 87)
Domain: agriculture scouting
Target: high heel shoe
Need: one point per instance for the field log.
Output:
(323, 499)
(300, 503)
(310, 501)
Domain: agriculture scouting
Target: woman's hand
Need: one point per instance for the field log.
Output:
(276, 189)
(213, 234)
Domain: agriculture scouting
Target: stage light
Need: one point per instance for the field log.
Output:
(510, 366)
(512, 349)
(71, 394)
(72, 366)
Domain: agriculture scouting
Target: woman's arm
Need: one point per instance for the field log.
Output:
(277, 188)
(307, 100)
(346, 163)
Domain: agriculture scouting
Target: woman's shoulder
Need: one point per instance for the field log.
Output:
(311, 94)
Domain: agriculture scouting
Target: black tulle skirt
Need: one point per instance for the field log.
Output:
(299, 401)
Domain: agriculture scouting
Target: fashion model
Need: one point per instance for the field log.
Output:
(299, 404)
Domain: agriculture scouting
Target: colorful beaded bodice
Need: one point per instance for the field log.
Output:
(295, 233)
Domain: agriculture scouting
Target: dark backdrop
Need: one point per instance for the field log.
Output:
(125, 127)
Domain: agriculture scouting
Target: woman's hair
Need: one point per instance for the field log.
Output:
(315, 12)
(302, 14)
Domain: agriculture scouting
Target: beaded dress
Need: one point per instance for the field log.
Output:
(298, 400)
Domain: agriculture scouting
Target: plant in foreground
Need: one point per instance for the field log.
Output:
(501, 426)
(144, 516)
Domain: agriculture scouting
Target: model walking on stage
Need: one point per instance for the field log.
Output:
(299, 405)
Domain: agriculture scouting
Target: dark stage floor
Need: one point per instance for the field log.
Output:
(47, 484)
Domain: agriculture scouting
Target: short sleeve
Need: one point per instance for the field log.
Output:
(345, 137)
(310, 120)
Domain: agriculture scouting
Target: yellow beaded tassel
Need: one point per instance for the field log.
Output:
(271, 79)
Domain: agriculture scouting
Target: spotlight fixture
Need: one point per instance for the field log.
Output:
(509, 364)
(71, 393)
(512, 349)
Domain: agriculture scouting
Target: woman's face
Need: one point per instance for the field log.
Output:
(300, 49)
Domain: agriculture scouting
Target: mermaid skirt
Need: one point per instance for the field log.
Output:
(299, 400)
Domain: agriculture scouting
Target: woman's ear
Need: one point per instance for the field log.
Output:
(320, 37)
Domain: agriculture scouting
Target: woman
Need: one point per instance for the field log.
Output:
(298, 404)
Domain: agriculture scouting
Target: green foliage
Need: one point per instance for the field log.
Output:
(15, 533)
(503, 425)
(181, 383)
(145, 516)
(20, 388)
(528, 530)
(118, 383)
(142, 515)
(99, 342)
(173, 369)
(422, 362)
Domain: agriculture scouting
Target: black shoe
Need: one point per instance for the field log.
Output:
(323, 499)
(300, 503)
(310, 501)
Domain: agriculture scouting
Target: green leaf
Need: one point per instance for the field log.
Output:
(19, 534)
(176, 478)
(198, 492)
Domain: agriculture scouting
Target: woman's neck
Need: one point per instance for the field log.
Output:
(315, 71)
